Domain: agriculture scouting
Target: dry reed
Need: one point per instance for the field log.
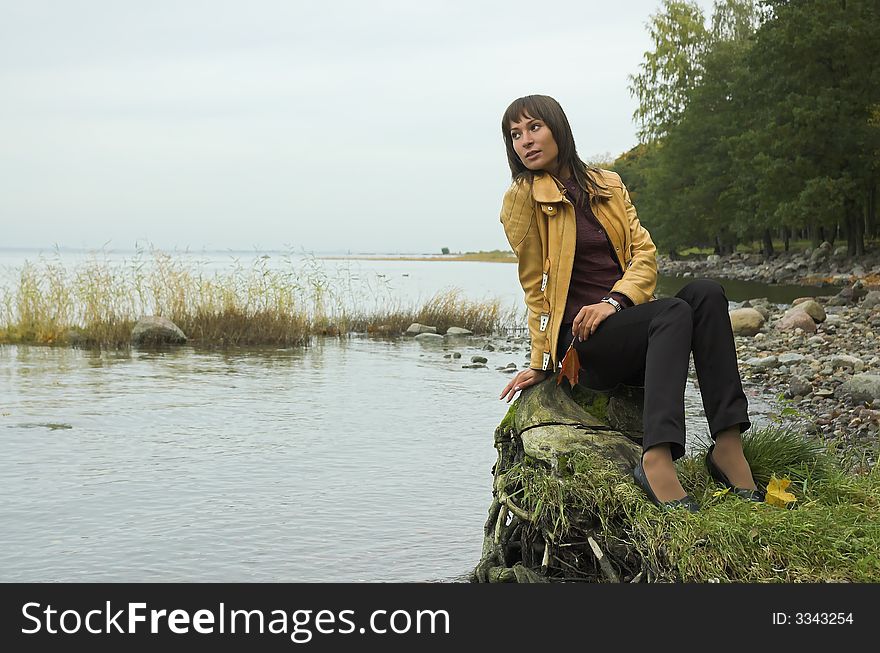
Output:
(268, 302)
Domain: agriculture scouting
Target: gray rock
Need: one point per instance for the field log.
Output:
(415, 328)
(871, 299)
(861, 387)
(788, 359)
(840, 252)
(479, 359)
(713, 258)
(765, 363)
(746, 321)
(430, 338)
(821, 253)
(799, 385)
(456, 354)
(156, 330)
(843, 360)
(474, 366)
(458, 331)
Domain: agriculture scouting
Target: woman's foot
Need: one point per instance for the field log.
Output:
(660, 473)
(727, 456)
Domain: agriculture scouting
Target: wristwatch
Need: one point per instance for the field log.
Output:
(610, 300)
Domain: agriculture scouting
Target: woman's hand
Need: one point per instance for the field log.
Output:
(589, 318)
(521, 381)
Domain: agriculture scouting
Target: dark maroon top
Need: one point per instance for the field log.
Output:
(595, 269)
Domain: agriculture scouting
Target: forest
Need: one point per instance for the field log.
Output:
(759, 124)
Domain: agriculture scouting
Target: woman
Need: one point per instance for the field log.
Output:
(588, 271)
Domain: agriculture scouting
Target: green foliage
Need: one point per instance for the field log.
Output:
(444, 250)
(672, 69)
(772, 122)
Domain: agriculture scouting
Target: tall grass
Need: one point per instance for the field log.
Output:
(832, 534)
(264, 302)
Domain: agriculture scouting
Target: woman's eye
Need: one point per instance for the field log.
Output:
(535, 127)
(514, 136)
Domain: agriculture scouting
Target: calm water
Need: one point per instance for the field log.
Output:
(360, 460)
(356, 460)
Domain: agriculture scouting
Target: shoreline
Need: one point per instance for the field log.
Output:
(481, 257)
(823, 267)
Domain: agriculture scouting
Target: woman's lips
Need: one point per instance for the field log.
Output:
(533, 154)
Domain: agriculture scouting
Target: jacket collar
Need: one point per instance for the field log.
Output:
(546, 188)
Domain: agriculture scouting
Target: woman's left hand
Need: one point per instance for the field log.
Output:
(589, 318)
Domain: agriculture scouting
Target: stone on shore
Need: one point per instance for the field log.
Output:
(763, 363)
(429, 338)
(415, 328)
(746, 321)
(796, 319)
(861, 387)
(871, 299)
(458, 331)
(799, 386)
(811, 307)
(156, 330)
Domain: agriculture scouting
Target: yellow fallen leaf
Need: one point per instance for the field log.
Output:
(776, 494)
(720, 493)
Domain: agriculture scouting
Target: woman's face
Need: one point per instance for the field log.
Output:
(534, 144)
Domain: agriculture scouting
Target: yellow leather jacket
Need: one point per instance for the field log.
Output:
(539, 222)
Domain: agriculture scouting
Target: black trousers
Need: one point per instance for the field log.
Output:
(650, 344)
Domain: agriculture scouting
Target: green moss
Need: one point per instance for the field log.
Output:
(592, 401)
(507, 421)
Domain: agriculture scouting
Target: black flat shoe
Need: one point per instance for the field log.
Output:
(743, 493)
(642, 482)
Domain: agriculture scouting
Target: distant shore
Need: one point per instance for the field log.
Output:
(495, 256)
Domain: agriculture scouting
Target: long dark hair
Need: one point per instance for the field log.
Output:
(545, 108)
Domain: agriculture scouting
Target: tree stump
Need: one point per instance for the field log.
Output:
(547, 427)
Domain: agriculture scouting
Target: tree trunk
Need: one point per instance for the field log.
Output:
(547, 427)
(855, 230)
(768, 244)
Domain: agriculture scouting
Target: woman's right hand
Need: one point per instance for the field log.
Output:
(522, 381)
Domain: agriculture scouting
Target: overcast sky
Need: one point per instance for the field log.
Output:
(362, 126)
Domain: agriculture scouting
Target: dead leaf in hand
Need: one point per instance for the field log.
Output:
(776, 494)
(571, 365)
